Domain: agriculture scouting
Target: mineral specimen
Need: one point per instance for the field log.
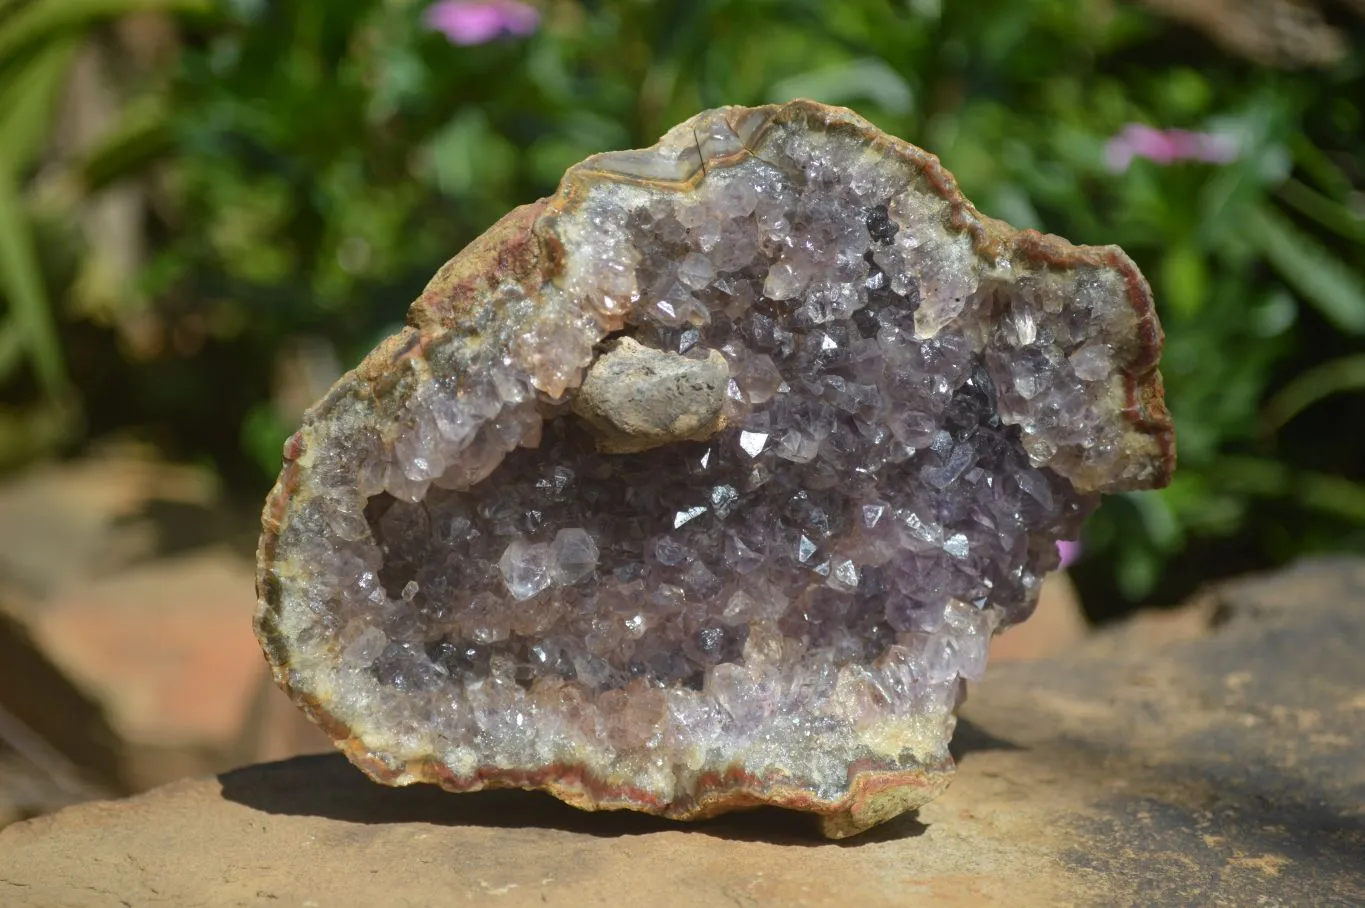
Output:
(705, 482)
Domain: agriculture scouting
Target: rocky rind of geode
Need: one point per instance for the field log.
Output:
(705, 482)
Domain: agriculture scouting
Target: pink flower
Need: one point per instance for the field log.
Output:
(1167, 146)
(467, 22)
(1070, 552)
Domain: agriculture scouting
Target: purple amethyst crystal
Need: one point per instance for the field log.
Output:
(706, 482)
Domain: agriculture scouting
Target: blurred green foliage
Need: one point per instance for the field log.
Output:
(317, 162)
(38, 41)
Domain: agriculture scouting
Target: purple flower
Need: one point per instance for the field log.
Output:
(1070, 551)
(1167, 146)
(467, 22)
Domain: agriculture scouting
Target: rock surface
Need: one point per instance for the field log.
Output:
(1216, 756)
(126, 658)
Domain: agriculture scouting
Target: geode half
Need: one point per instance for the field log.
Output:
(705, 482)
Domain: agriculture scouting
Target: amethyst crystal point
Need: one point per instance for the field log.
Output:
(705, 482)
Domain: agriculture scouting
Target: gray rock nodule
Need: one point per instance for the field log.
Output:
(636, 398)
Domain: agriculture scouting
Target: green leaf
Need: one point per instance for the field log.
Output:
(468, 156)
(1318, 277)
(21, 284)
(1137, 572)
(141, 136)
(1185, 92)
(1009, 202)
(1330, 494)
(11, 347)
(44, 20)
(1163, 529)
(1337, 217)
(1185, 278)
(1321, 492)
(1274, 314)
(263, 435)
(1321, 169)
(865, 79)
(35, 431)
(1311, 386)
(1260, 130)
(27, 94)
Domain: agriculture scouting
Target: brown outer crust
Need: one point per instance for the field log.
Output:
(521, 249)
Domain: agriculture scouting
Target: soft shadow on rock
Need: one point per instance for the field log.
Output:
(971, 738)
(327, 785)
(178, 527)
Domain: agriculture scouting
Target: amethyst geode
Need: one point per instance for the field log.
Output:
(705, 482)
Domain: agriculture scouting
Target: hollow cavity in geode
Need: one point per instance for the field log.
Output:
(706, 482)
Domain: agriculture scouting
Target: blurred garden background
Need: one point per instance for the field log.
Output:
(210, 208)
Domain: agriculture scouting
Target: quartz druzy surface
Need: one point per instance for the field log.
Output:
(705, 482)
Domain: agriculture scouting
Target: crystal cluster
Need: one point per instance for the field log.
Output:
(706, 482)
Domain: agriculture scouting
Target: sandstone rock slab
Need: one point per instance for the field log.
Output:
(1145, 767)
(126, 655)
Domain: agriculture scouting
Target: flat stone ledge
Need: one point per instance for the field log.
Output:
(1211, 757)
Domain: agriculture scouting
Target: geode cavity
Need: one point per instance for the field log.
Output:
(705, 482)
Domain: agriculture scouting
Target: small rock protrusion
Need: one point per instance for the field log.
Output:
(635, 398)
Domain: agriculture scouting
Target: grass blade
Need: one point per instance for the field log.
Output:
(1336, 217)
(1318, 277)
(11, 347)
(1311, 386)
(21, 283)
(141, 136)
(43, 20)
(27, 96)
